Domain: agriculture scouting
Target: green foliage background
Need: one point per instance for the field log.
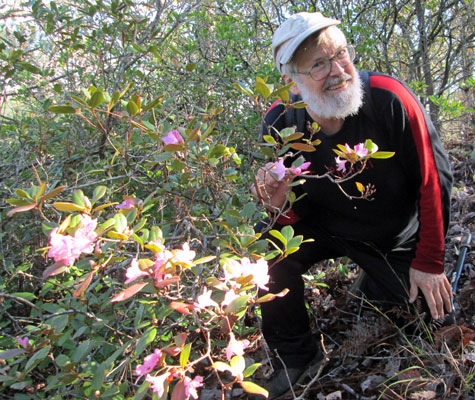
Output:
(89, 87)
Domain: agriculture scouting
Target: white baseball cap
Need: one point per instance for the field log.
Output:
(293, 31)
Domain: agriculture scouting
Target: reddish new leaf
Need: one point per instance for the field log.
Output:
(21, 209)
(182, 307)
(84, 284)
(172, 350)
(166, 282)
(179, 391)
(129, 292)
(55, 269)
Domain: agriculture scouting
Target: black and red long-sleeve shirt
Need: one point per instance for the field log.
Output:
(412, 188)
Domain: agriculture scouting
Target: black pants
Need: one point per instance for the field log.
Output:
(285, 320)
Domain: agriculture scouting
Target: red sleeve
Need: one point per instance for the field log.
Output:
(289, 218)
(430, 247)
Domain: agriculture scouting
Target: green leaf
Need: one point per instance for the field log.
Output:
(295, 241)
(237, 304)
(243, 88)
(99, 192)
(138, 47)
(131, 215)
(218, 151)
(142, 391)
(153, 103)
(25, 295)
(279, 236)
(12, 353)
(63, 109)
(132, 108)
(29, 67)
(288, 232)
(221, 366)
(59, 322)
(283, 90)
(383, 154)
(268, 139)
(113, 101)
(39, 356)
(96, 99)
(98, 377)
(82, 351)
(250, 370)
(145, 340)
(251, 387)
(190, 67)
(79, 100)
(299, 105)
(120, 223)
(18, 202)
(78, 198)
(263, 89)
(237, 363)
(287, 132)
(23, 194)
(52, 193)
(185, 355)
(117, 353)
(248, 210)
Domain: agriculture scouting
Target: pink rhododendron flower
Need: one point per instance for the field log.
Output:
(134, 271)
(172, 137)
(157, 383)
(299, 170)
(184, 256)
(341, 164)
(25, 342)
(191, 385)
(149, 363)
(260, 273)
(126, 204)
(360, 150)
(229, 297)
(234, 269)
(204, 300)
(62, 248)
(235, 347)
(67, 249)
(278, 168)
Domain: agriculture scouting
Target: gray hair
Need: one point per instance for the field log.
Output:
(290, 68)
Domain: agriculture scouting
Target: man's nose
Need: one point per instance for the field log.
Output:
(335, 68)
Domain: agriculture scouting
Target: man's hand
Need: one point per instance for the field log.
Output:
(272, 192)
(435, 288)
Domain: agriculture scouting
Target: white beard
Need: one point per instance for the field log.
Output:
(335, 106)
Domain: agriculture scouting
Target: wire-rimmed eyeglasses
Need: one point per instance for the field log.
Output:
(323, 66)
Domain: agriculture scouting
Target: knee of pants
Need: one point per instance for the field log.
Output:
(285, 273)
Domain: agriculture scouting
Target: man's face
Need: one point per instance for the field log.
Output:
(339, 95)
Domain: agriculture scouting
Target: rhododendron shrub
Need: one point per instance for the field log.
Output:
(144, 282)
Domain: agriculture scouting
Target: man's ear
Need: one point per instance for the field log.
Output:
(294, 88)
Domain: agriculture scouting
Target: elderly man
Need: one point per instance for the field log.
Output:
(397, 237)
